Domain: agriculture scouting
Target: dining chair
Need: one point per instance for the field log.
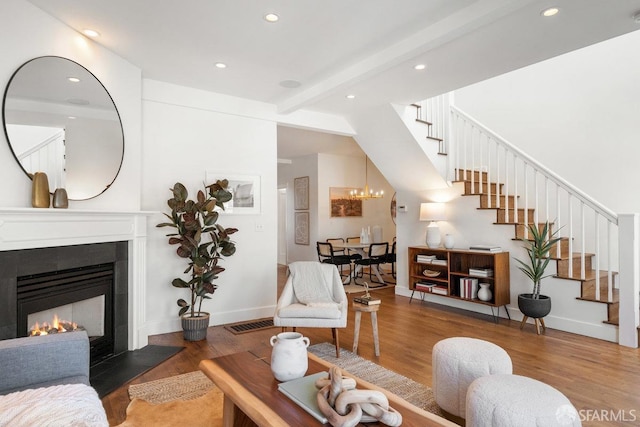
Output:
(334, 241)
(391, 259)
(353, 254)
(377, 255)
(326, 255)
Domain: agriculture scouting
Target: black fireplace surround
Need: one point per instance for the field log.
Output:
(97, 269)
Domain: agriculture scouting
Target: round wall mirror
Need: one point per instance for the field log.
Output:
(59, 119)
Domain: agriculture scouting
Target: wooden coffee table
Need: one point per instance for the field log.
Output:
(251, 395)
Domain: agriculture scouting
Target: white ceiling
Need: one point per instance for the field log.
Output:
(335, 47)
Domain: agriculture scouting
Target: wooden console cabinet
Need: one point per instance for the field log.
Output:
(452, 267)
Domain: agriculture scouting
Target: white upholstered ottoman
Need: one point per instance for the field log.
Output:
(517, 401)
(457, 362)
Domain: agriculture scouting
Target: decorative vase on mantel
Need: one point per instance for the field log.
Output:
(40, 197)
(60, 199)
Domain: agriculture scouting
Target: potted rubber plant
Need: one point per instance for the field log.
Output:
(538, 246)
(202, 242)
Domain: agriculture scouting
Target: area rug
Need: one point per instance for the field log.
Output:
(189, 399)
(413, 392)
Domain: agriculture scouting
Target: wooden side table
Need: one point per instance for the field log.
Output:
(363, 308)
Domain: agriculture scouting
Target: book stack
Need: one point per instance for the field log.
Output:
(440, 290)
(367, 300)
(481, 272)
(439, 262)
(468, 288)
(424, 287)
(485, 248)
(425, 258)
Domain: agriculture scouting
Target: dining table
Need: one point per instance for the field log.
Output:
(362, 250)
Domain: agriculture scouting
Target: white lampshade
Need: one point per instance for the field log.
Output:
(432, 212)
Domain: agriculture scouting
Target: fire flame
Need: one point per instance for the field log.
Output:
(56, 325)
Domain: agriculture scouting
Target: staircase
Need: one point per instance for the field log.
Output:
(568, 267)
(524, 192)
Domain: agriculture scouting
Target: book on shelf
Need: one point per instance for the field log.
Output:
(440, 290)
(485, 248)
(439, 262)
(424, 287)
(303, 392)
(468, 288)
(425, 258)
(367, 300)
(481, 272)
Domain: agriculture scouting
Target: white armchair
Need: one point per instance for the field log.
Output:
(313, 297)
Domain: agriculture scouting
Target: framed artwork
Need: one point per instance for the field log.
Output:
(301, 224)
(342, 205)
(301, 193)
(245, 190)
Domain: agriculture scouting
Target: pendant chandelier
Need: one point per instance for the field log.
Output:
(367, 193)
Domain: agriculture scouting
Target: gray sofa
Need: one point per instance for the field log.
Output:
(45, 381)
(44, 361)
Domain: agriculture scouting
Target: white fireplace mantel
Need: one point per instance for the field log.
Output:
(28, 228)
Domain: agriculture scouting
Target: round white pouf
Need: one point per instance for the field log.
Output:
(457, 362)
(517, 401)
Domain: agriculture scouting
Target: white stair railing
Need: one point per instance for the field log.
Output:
(530, 193)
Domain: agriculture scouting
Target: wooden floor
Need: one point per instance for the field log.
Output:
(601, 379)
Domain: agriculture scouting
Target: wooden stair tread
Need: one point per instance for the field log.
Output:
(424, 122)
(603, 298)
(434, 138)
(588, 275)
(416, 105)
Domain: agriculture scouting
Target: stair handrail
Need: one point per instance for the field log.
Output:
(560, 182)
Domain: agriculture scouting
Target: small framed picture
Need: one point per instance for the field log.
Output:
(245, 190)
(301, 193)
(301, 225)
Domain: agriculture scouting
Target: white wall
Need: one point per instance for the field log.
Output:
(187, 132)
(577, 114)
(345, 171)
(27, 32)
(326, 171)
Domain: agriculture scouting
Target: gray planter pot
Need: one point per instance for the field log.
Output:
(195, 328)
(534, 308)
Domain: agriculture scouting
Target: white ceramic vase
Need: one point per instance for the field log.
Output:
(484, 293)
(448, 241)
(289, 356)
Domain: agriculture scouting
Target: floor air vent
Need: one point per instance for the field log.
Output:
(253, 325)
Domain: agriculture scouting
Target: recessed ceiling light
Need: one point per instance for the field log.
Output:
(351, 96)
(90, 33)
(420, 67)
(290, 84)
(221, 65)
(73, 79)
(550, 11)
(71, 117)
(271, 17)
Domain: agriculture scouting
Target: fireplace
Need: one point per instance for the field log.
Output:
(83, 284)
(82, 297)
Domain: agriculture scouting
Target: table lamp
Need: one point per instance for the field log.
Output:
(432, 212)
